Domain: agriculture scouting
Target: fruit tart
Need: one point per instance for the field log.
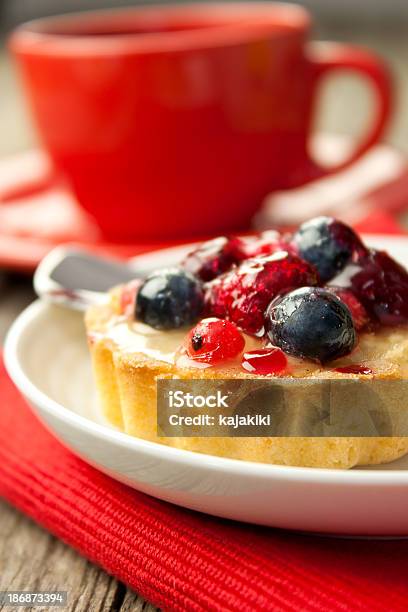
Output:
(312, 305)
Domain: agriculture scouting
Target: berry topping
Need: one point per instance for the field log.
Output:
(381, 284)
(128, 297)
(265, 361)
(354, 369)
(243, 294)
(266, 243)
(311, 323)
(328, 244)
(358, 312)
(169, 298)
(214, 257)
(214, 340)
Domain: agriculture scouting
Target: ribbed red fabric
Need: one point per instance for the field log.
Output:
(182, 560)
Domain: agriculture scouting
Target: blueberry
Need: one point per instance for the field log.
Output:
(328, 244)
(169, 298)
(311, 323)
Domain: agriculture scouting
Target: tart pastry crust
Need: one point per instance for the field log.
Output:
(129, 358)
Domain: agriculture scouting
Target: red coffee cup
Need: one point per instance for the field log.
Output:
(174, 121)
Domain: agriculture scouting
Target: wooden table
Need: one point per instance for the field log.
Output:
(30, 558)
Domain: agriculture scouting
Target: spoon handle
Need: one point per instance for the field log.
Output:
(78, 279)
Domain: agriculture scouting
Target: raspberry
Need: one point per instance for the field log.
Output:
(358, 312)
(243, 294)
(214, 257)
(214, 340)
(219, 255)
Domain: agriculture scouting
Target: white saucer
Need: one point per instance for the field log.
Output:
(47, 358)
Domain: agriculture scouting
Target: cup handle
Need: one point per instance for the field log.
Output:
(324, 57)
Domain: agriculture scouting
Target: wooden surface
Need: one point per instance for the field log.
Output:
(30, 558)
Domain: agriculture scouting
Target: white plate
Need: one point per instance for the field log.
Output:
(47, 358)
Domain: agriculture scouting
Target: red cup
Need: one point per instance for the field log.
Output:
(174, 121)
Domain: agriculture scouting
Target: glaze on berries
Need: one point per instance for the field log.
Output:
(265, 361)
(243, 294)
(355, 369)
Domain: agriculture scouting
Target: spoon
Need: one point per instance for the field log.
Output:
(77, 279)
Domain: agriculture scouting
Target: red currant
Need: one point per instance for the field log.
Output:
(214, 340)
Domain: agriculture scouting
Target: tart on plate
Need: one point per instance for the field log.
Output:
(314, 305)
